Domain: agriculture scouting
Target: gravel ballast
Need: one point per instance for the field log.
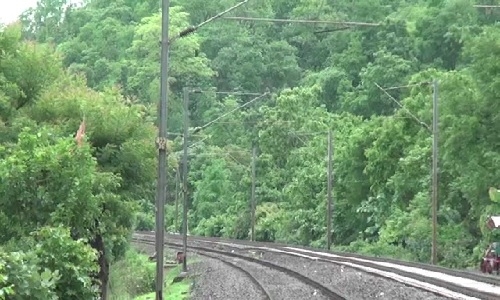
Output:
(278, 284)
(352, 283)
(212, 279)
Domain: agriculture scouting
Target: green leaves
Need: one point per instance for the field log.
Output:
(22, 278)
(52, 266)
(25, 70)
(143, 55)
(46, 180)
(74, 262)
(494, 194)
(382, 155)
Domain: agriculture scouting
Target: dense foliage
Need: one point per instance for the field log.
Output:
(371, 85)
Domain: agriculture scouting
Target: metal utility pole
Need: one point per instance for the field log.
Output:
(330, 200)
(161, 143)
(435, 182)
(185, 178)
(253, 192)
(177, 183)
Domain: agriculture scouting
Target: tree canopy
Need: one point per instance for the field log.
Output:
(98, 62)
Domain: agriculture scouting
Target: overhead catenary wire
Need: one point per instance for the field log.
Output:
(296, 133)
(198, 142)
(222, 154)
(272, 122)
(407, 86)
(435, 179)
(180, 134)
(265, 122)
(197, 129)
(404, 108)
(235, 93)
(192, 29)
(319, 132)
(345, 23)
(226, 151)
(486, 6)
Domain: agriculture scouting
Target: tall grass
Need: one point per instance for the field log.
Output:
(132, 276)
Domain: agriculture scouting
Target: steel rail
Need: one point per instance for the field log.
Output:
(331, 294)
(255, 281)
(428, 267)
(352, 258)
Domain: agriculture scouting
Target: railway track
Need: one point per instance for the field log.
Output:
(260, 286)
(442, 281)
(204, 250)
(265, 294)
(489, 279)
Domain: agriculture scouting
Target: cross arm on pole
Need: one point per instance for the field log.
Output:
(192, 28)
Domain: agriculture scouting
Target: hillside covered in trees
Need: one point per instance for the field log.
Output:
(99, 62)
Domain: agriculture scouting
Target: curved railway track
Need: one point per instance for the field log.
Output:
(266, 295)
(327, 292)
(408, 278)
(415, 274)
(490, 279)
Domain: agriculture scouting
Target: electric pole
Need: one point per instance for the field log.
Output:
(330, 200)
(253, 204)
(186, 93)
(177, 183)
(161, 143)
(435, 182)
(185, 178)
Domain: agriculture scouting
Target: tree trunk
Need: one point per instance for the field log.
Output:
(103, 275)
(104, 269)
